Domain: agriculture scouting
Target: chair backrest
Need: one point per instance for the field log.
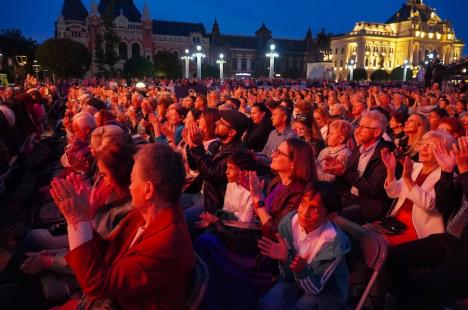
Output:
(199, 285)
(372, 251)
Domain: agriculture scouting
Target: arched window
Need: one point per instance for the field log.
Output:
(244, 64)
(123, 53)
(234, 64)
(136, 50)
(176, 53)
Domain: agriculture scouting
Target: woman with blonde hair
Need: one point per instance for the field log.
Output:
(415, 127)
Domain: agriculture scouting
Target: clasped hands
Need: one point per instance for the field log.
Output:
(279, 251)
(71, 196)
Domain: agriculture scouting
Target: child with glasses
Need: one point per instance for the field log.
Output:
(310, 251)
(339, 133)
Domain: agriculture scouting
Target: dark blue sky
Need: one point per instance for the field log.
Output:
(285, 18)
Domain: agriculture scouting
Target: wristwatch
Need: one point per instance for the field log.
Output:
(260, 204)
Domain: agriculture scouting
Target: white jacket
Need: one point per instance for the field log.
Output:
(427, 220)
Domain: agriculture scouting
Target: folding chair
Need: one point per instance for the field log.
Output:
(371, 251)
(199, 284)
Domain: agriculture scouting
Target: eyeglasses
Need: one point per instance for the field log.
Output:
(366, 127)
(424, 143)
(278, 152)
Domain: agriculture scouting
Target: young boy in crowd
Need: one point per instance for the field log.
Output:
(238, 203)
(339, 133)
(310, 252)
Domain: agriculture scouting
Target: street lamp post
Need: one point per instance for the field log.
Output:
(351, 69)
(187, 59)
(221, 63)
(36, 68)
(272, 54)
(199, 56)
(405, 67)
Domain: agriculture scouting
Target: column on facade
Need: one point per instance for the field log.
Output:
(239, 63)
(248, 63)
(360, 53)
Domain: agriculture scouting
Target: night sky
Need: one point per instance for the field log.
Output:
(286, 19)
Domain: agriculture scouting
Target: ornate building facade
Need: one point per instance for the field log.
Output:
(141, 35)
(411, 34)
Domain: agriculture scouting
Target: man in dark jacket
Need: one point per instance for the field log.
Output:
(229, 129)
(365, 174)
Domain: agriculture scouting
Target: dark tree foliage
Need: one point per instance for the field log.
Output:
(397, 74)
(359, 74)
(13, 43)
(106, 45)
(380, 75)
(167, 65)
(64, 57)
(138, 67)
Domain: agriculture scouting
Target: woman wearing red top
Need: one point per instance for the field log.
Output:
(415, 206)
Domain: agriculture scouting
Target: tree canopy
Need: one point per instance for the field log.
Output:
(380, 75)
(13, 43)
(397, 74)
(64, 57)
(167, 65)
(138, 67)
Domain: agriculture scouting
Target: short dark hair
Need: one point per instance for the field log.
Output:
(164, 167)
(118, 159)
(286, 111)
(244, 159)
(328, 192)
(440, 112)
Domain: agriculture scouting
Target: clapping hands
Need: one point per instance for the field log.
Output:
(72, 198)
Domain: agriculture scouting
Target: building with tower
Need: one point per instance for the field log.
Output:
(141, 35)
(411, 34)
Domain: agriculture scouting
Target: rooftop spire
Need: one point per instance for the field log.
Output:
(215, 27)
(146, 12)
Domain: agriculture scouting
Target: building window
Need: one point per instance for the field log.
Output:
(367, 62)
(244, 64)
(341, 63)
(342, 50)
(234, 63)
(123, 50)
(336, 51)
(136, 50)
(176, 53)
(375, 62)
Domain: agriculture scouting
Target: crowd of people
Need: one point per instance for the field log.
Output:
(247, 178)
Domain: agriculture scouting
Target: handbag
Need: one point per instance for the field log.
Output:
(237, 236)
(393, 226)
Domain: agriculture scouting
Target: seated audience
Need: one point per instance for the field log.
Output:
(310, 251)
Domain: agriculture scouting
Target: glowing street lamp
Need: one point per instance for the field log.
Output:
(21, 60)
(199, 56)
(405, 67)
(351, 69)
(36, 67)
(187, 59)
(272, 54)
(221, 62)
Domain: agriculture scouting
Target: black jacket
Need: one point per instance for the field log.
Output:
(213, 171)
(372, 198)
(257, 135)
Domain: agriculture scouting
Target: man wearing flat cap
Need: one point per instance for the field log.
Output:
(229, 129)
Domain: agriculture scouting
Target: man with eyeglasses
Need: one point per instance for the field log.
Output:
(229, 129)
(366, 174)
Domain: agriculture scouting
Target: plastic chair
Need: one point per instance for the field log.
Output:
(199, 285)
(372, 252)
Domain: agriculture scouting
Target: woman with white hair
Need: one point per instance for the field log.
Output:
(415, 207)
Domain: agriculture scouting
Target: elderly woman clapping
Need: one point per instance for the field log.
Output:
(415, 206)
